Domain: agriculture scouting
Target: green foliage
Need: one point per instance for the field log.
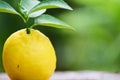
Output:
(28, 5)
(5, 7)
(47, 20)
(30, 8)
(46, 4)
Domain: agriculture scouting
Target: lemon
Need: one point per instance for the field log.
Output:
(29, 56)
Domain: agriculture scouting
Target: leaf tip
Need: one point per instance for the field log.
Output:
(70, 8)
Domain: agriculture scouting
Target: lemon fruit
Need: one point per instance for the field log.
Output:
(29, 56)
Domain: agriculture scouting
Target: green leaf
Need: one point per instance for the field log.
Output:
(5, 7)
(46, 4)
(50, 21)
(27, 5)
(14, 3)
(37, 13)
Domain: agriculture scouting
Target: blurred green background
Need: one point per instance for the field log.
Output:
(93, 46)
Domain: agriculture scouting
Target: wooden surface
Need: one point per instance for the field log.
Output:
(79, 75)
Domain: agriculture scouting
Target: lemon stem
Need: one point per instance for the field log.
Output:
(28, 30)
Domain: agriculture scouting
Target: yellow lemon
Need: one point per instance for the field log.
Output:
(29, 56)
